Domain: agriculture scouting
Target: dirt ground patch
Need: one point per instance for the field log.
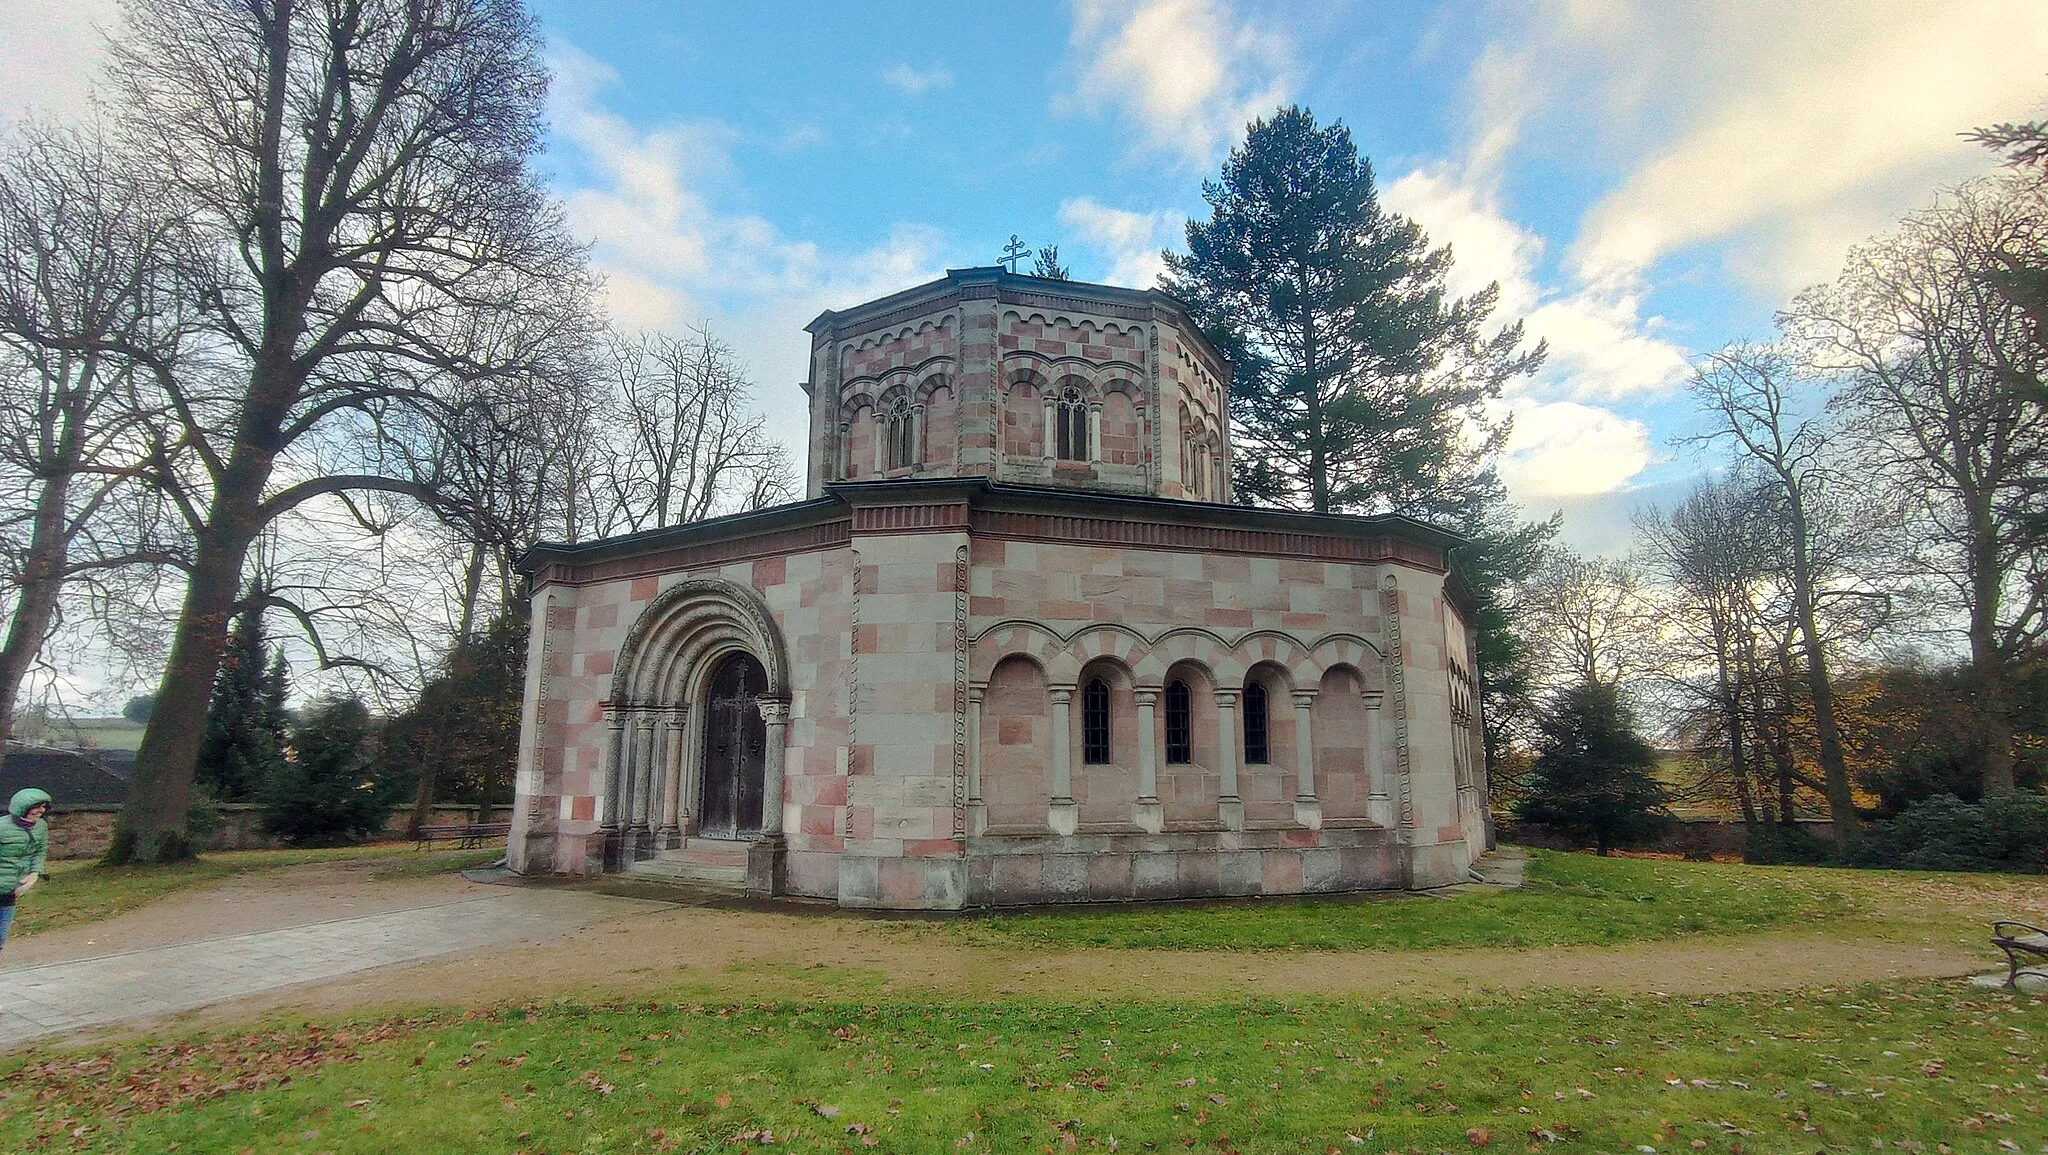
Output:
(260, 900)
(823, 953)
(758, 955)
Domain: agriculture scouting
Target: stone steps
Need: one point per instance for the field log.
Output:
(698, 862)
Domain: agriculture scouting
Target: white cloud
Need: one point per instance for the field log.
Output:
(1600, 346)
(1565, 449)
(671, 255)
(916, 81)
(1131, 242)
(50, 53)
(1188, 74)
(1784, 132)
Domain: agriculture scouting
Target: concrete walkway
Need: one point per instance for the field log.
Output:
(80, 994)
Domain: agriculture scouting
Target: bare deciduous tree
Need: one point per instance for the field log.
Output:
(1714, 561)
(1755, 395)
(689, 444)
(1587, 617)
(1936, 351)
(85, 306)
(369, 247)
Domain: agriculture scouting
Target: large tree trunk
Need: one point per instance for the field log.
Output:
(1987, 658)
(49, 550)
(1834, 767)
(151, 826)
(1994, 725)
(423, 801)
(472, 589)
(42, 580)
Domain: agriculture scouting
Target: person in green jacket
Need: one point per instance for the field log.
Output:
(24, 842)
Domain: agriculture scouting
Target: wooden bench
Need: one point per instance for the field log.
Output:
(2025, 947)
(468, 835)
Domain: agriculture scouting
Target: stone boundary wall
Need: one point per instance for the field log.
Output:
(1689, 835)
(83, 830)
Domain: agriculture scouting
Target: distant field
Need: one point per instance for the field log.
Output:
(100, 733)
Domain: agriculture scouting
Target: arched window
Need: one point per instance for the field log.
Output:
(1255, 749)
(900, 429)
(1071, 425)
(1180, 743)
(1095, 723)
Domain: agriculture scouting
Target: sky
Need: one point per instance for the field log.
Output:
(1645, 181)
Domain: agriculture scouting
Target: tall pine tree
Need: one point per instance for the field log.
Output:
(1594, 777)
(244, 741)
(1360, 383)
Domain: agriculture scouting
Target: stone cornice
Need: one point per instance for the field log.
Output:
(1012, 288)
(995, 510)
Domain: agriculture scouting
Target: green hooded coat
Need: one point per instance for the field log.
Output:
(22, 851)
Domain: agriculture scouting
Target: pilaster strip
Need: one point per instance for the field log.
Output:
(1397, 683)
(852, 690)
(960, 576)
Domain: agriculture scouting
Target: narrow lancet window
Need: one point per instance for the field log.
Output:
(1255, 749)
(1072, 420)
(901, 430)
(1180, 745)
(1095, 723)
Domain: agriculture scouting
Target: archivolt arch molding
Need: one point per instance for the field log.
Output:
(1016, 637)
(1203, 647)
(1351, 650)
(672, 643)
(1283, 650)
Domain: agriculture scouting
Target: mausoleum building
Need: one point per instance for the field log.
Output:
(1015, 647)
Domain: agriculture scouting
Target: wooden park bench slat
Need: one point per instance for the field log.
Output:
(465, 836)
(2025, 947)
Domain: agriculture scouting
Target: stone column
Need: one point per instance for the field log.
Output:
(1148, 814)
(1064, 817)
(612, 783)
(671, 834)
(776, 715)
(1095, 433)
(1052, 429)
(640, 836)
(977, 810)
(1379, 804)
(1308, 811)
(1229, 807)
(765, 860)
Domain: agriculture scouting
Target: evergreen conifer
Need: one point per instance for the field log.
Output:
(1594, 776)
(328, 792)
(243, 744)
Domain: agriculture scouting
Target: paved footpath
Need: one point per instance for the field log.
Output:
(62, 997)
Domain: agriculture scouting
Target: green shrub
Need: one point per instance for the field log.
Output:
(1770, 844)
(328, 792)
(2009, 832)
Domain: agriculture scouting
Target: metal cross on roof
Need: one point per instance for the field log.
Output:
(1015, 251)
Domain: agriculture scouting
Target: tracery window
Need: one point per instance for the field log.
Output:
(1256, 751)
(1180, 745)
(1095, 723)
(1070, 419)
(899, 428)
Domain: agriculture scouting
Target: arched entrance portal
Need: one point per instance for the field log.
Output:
(735, 749)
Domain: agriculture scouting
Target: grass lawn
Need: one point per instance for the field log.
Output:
(1567, 899)
(1913, 1064)
(84, 891)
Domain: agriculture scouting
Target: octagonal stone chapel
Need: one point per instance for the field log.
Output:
(1015, 647)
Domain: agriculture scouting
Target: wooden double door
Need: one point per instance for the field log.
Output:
(735, 750)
